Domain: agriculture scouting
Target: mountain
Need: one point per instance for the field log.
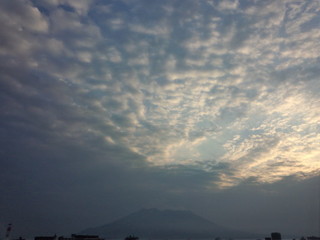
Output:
(154, 223)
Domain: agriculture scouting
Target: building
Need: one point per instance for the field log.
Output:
(54, 237)
(276, 236)
(73, 237)
(85, 237)
(313, 238)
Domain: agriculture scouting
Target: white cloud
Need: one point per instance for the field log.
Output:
(84, 56)
(228, 5)
(141, 59)
(114, 55)
(81, 6)
(19, 21)
(160, 29)
(116, 23)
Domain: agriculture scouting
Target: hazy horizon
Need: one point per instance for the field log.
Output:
(111, 106)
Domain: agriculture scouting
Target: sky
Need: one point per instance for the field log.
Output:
(108, 107)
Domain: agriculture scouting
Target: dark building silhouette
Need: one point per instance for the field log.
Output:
(78, 237)
(54, 237)
(73, 237)
(275, 236)
(313, 238)
(85, 237)
(131, 237)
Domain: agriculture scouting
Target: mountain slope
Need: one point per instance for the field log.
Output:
(154, 223)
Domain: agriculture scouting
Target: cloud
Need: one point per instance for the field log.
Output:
(175, 93)
(157, 30)
(228, 5)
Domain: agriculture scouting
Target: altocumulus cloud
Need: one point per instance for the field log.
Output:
(209, 94)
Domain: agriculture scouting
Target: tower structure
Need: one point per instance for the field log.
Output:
(8, 231)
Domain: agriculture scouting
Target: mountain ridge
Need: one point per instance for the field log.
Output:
(155, 223)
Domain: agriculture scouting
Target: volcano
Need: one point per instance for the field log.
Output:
(169, 224)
